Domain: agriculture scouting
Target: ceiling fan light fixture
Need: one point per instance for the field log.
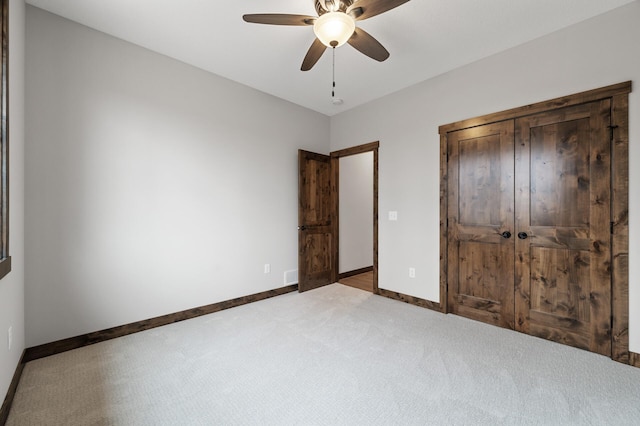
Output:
(333, 29)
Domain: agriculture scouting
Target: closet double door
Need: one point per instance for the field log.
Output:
(528, 224)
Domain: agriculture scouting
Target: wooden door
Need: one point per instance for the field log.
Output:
(481, 223)
(563, 249)
(315, 210)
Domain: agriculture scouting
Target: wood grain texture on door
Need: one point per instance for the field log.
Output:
(481, 223)
(563, 202)
(315, 262)
(571, 219)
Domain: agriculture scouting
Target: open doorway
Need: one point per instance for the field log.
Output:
(355, 212)
(356, 175)
(319, 221)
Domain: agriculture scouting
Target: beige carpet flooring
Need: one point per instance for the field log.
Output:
(332, 356)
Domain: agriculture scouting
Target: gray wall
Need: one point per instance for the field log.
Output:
(12, 285)
(356, 212)
(152, 186)
(592, 54)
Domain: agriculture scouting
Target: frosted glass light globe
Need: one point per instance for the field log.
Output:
(333, 29)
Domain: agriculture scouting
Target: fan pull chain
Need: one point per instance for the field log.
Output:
(334, 100)
(333, 89)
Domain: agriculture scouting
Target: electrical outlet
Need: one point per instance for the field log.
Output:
(412, 272)
(9, 337)
(393, 215)
(267, 268)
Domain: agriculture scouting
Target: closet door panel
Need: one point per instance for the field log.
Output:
(563, 212)
(481, 223)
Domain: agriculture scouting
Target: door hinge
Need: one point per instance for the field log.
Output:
(611, 129)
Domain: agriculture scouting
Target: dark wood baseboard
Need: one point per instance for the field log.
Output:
(634, 359)
(355, 272)
(423, 303)
(64, 345)
(11, 392)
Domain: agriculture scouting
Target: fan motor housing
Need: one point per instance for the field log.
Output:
(321, 9)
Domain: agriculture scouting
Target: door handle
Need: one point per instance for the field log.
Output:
(506, 235)
(302, 228)
(522, 235)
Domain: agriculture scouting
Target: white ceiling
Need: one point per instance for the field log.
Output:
(425, 38)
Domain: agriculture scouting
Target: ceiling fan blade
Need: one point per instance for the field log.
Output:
(368, 45)
(315, 52)
(371, 8)
(279, 19)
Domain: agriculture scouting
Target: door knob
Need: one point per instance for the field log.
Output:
(522, 235)
(302, 228)
(506, 235)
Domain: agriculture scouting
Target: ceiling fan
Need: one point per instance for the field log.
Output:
(334, 26)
